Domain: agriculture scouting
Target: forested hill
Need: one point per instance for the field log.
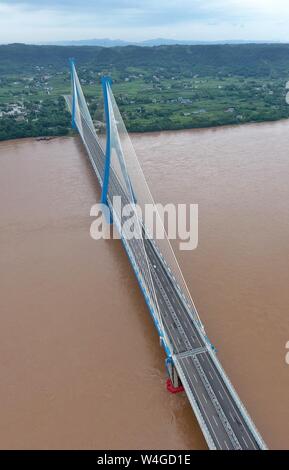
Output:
(242, 59)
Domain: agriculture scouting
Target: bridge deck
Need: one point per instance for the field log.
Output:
(221, 415)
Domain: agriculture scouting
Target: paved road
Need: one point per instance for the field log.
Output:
(224, 422)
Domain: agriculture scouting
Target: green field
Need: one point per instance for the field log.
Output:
(153, 95)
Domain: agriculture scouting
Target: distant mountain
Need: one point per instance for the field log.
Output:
(106, 42)
(170, 42)
(91, 42)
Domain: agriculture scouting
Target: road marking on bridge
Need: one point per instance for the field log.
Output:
(233, 405)
(232, 436)
(220, 393)
(190, 353)
(172, 311)
(205, 398)
(201, 408)
(216, 421)
(246, 444)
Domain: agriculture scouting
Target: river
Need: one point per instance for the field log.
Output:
(81, 366)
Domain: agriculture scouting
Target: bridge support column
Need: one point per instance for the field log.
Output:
(73, 125)
(174, 384)
(106, 82)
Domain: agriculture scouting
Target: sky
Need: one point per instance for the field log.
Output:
(34, 21)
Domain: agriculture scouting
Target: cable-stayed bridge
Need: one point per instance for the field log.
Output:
(191, 360)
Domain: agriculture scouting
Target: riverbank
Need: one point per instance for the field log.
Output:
(72, 133)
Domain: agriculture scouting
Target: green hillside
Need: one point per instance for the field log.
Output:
(164, 87)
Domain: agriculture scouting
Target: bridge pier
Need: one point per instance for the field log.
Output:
(174, 384)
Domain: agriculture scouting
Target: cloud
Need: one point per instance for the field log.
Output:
(50, 20)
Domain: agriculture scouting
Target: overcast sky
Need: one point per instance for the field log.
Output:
(52, 20)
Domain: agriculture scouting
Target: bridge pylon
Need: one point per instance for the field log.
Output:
(174, 384)
(72, 69)
(105, 83)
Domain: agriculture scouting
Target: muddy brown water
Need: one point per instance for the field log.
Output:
(80, 361)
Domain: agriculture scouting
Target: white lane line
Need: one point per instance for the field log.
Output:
(216, 421)
(227, 445)
(232, 404)
(233, 417)
(205, 398)
(188, 362)
(168, 330)
(159, 290)
(200, 405)
(220, 393)
(174, 295)
(245, 442)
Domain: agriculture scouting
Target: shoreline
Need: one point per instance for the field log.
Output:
(71, 133)
(212, 128)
